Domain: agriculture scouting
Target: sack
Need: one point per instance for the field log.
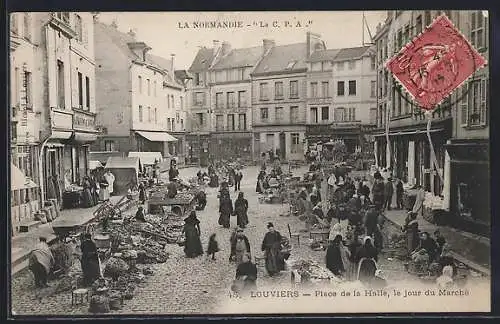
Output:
(237, 285)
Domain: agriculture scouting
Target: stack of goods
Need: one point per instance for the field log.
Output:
(311, 271)
(63, 257)
(433, 209)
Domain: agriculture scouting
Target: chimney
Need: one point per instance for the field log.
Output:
(114, 24)
(312, 39)
(268, 44)
(131, 33)
(172, 61)
(226, 48)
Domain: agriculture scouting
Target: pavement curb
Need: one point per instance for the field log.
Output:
(474, 266)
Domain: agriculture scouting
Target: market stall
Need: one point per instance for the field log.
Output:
(126, 172)
(311, 273)
(148, 160)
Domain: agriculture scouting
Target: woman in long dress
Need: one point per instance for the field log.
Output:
(271, 245)
(90, 260)
(367, 258)
(225, 210)
(192, 232)
(239, 246)
(259, 188)
(334, 261)
(241, 210)
(247, 272)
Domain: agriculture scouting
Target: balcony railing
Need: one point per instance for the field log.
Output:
(231, 129)
(84, 120)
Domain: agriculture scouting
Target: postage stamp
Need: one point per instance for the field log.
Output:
(214, 163)
(435, 63)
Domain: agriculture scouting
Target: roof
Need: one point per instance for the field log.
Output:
(18, 180)
(122, 163)
(241, 57)
(324, 55)
(182, 75)
(203, 59)
(166, 65)
(283, 58)
(351, 53)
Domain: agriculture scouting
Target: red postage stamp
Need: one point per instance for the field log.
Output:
(435, 63)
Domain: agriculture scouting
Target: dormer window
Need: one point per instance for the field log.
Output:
(64, 16)
(290, 65)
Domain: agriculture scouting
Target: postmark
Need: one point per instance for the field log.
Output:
(435, 63)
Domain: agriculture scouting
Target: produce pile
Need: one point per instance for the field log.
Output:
(311, 270)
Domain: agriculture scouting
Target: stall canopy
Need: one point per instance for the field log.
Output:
(147, 158)
(157, 136)
(126, 172)
(18, 180)
(95, 164)
(104, 155)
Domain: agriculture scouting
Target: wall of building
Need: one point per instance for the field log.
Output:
(225, 110)
(113, 86)
(321, 99)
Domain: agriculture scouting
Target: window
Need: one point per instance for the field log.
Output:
(109, 146)
(278, 114)
(219, 122)
(314, 115)
(325, 113)
(264, 114)
(242, 99)
(428, 18)
(242, 122)
(278, 90)
(182, 124)
(199, 119)
(87, 92)
(199, 99)
(64, 16)
(139, 84)
(80, 90)
(154, 89)
(325, 89)
(316, 66)
(15, 88)
(295, 147)
(156, 115)
(231, 102)
(372, 63)
(339, 114)
(352, 65)
(169, 125)
(477, 103)
(418, 25)
(173, 125)
(173, 101)
(477, 34)
(340, 88)
(141, 118)
(230, 122)
(13, 24)
(294, 114)
(219, 101)
(373, 88)
(340, 66)
(149, 114)
(314, 89)
(61, 100)
(352, 88)
(78, 28)
(148, 83)
(197, 80)
(352, 114)
(263, 91)
(28, 83)
(400, 39)
(294, 89)
(373, 116)
(27, 26)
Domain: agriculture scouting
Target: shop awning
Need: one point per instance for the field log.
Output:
(147, 158)
(157, 136)
(415, 132)
(84, 137)
(61, 135)
(18, 180)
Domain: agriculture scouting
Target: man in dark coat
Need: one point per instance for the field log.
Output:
(388, 191)
(399, 194)
(371, 220)
(378, 192)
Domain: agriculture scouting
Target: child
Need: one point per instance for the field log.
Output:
(213, 246)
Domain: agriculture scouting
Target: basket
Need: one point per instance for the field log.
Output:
(102, 241)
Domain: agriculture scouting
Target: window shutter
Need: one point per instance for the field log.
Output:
(463, 104)
(484, 101)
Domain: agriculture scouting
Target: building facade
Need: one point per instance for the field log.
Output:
(401, 140)
(26, 104)
(137, 94)
(279, 92)
(341, 95)
(467, 193)
(66, 57)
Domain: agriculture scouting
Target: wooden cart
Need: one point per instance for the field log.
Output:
(181, 206)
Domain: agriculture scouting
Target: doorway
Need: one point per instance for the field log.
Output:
(282, 146)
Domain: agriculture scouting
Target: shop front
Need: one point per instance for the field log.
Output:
(155, 142)
(198, 149)
(469, 188)
(347, 133)
(225, 146)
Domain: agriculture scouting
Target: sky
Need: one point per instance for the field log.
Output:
(181, 33)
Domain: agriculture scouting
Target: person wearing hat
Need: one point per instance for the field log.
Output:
(271, 246)
(378, 192)
(239, 246)
(388, 192)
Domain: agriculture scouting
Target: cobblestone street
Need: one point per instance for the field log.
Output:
(200, 285)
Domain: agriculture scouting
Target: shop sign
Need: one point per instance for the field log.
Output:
(61, 120)
(83, 121)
